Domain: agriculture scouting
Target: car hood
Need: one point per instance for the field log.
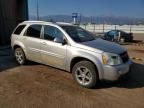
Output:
(105, 46)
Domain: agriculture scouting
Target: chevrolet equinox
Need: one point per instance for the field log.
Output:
(71, 48)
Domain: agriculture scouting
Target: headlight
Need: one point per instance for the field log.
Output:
(111, 59)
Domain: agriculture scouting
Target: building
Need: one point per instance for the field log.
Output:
(11, 13)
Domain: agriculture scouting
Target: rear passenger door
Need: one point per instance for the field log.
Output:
(32, 40)
(52, 51)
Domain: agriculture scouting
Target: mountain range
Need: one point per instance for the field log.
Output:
(92, 19)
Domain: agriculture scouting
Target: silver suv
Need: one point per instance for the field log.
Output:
(71, 48)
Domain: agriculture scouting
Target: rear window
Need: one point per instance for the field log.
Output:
(19, 29)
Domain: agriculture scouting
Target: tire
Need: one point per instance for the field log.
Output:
(85, 74)
(20, 56)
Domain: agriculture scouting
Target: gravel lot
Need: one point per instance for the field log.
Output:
(39, 86)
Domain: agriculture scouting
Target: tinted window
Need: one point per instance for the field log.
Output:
(19, 29)
(52, 33)
(34, 31)
(122, 33)
(113, 33)
(78, 34)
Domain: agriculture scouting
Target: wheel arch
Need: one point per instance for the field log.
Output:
(19, 45)
(78, 59)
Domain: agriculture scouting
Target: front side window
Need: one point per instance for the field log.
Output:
(19, 29)
(113, 33)
(34, 31)
(78, 34)
(52, 34)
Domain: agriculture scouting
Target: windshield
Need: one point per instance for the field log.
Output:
(78, 34)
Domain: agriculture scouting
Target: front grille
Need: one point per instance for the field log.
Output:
(124, 56)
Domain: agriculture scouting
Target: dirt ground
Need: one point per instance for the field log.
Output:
(39, 86)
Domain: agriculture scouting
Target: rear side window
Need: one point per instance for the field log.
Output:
(34, 31)
(19, 29)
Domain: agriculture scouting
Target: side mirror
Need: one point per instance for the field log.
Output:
(64, 42)
(60, 40)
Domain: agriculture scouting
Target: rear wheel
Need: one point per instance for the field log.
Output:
(85, 74)
(20, 56)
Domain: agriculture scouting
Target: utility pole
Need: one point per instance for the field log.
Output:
(115, 27)
(80, 18)
(91, 19)
(103, 27)
(37, 10)
(130, 27)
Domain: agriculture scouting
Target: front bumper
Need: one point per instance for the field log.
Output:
(113, 73)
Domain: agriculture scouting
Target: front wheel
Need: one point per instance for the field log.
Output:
(20, 56)
(85, 74)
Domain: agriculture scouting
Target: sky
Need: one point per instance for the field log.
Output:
(122, 8)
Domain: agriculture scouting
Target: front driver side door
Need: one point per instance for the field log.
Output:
(53, 53)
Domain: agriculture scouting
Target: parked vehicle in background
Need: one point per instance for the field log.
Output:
(118, 36)
(70, 48)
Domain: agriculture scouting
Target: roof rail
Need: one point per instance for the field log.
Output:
(34, 21)
(64, 23)
(38, 22)
(48, 22)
